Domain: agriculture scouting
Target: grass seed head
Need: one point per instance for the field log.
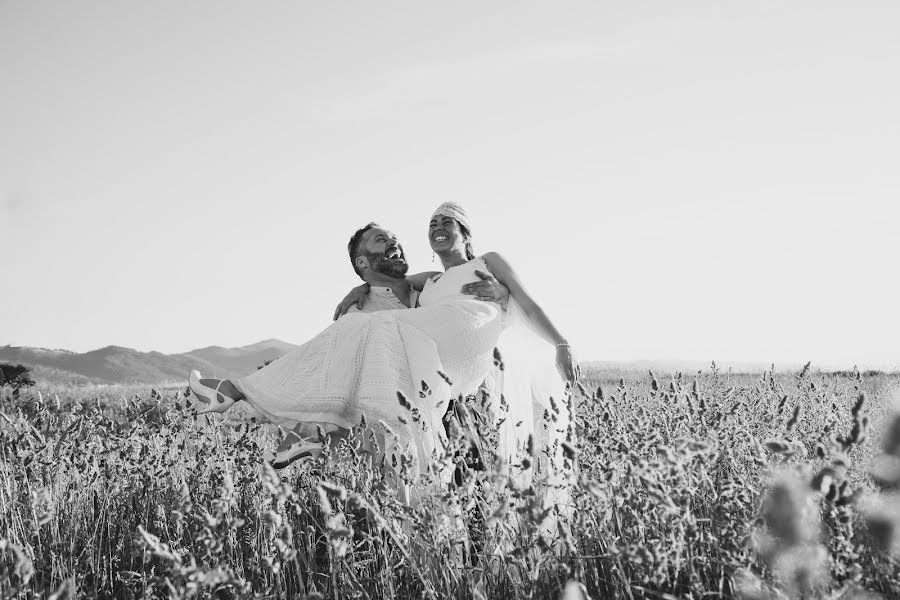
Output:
(792, 422)
(783, 510)
(890, 442)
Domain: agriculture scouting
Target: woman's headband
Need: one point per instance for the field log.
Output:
(455, 211)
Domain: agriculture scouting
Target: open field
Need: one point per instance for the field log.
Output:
(684, 487)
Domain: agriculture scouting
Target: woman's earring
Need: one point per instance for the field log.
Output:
(432, 257)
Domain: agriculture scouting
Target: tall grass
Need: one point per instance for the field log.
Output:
(714, 485)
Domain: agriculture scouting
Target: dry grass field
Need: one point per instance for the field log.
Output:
(710, 485)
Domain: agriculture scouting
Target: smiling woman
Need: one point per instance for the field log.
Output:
(437, 231)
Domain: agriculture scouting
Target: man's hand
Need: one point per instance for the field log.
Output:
(488, 289)
(357, 297)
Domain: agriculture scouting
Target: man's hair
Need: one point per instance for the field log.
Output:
(353, 246)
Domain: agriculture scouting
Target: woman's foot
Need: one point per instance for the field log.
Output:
(218, 399)
(292, 448)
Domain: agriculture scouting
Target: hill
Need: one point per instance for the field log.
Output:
(115, 364)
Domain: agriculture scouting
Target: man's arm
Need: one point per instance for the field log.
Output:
(417, 280)
(356, 297)
(488, 289)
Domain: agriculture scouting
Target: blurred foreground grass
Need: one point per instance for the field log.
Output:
(710, 485)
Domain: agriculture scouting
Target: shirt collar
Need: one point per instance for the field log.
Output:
(385, 290)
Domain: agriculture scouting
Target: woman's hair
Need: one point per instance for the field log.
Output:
(467, 236)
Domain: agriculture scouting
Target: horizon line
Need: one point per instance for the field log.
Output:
(754, 364)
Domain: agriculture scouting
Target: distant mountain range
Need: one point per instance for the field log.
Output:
(114, 364)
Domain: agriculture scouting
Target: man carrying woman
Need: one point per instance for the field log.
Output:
(358, 365)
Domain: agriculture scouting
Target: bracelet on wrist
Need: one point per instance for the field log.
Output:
(564, 344)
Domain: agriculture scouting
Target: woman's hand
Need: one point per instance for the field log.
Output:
(566, 363)
(356, 296)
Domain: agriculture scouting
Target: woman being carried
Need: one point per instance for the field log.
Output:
(361, 363)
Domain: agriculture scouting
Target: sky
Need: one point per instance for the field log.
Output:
(691, 180)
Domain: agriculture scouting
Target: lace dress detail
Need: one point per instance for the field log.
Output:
(466, 345)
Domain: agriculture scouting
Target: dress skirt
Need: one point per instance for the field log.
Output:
(358, 364)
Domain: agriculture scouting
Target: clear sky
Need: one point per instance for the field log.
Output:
(690, 180)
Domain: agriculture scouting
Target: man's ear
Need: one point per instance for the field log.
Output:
(361, 262)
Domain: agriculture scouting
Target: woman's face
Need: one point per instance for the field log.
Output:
(444, 234)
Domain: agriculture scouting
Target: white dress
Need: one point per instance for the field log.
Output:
(359, 364)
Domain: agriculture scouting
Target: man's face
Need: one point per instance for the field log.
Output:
(384, 253)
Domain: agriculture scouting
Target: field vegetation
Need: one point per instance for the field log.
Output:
(710, 485)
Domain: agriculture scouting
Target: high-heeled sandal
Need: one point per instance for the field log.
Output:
(299, 449)
(215, 401)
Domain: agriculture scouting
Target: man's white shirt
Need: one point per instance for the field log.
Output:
(383, 298)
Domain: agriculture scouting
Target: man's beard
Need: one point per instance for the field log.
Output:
(392, 268)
